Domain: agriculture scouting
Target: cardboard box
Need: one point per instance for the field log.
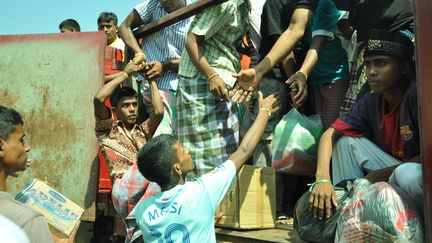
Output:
(251, 201)
(61, 213)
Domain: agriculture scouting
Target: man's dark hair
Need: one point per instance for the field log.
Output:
(121, 92)
(70, 24)
(156, 157)
(9, 119)
(107, 17)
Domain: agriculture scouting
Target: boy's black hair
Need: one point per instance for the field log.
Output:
(70, 24)
(155, 159)
(121, 92)
(107, 17)
(9, 119)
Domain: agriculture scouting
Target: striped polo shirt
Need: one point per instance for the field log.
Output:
(166, 44)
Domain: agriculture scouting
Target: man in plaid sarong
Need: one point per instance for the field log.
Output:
(208, 123)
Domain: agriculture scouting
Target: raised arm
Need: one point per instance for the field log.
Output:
(158, 109)
(132, 21)
(299, 79)
(106, 91)
(267, 107)
(248, 80)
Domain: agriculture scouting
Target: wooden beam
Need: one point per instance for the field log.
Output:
(174, 17)
(423, 31)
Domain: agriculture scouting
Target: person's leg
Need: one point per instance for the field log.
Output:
(207, 126)
(353, 157)
(408, 176)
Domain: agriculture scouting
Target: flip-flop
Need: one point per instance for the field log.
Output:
(282, 219)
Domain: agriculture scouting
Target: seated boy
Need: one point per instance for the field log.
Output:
(185, 210)
(380, 134)
(13, 159)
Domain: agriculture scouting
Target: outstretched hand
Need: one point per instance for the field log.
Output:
(298, 85)
(270, 103)
(247, 81)
(321, 200)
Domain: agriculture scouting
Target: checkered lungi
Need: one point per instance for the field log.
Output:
(357, 80)
(127, 191)
(327, 99)
(207, 126)
(167, 124)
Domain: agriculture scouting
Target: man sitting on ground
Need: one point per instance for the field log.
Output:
(186, 209)
(380, 134)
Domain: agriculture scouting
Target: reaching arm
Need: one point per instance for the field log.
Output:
(286, 42)
(266, 107)
(132, 21)
(249, 79)
(158, 109)
(298, 80)
(217, 85)
(106, 91)
(288, 64)
(112, 76)
(312, 56)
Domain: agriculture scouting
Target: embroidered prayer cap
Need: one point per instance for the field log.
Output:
(382, 42)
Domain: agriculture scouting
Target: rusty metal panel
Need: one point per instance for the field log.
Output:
(423, 19)
(51, 79)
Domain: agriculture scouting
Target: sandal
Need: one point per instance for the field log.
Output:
(283, 219)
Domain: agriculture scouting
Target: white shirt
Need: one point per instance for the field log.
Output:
(186, 212)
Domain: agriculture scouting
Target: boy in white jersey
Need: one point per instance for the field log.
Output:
(184, 211)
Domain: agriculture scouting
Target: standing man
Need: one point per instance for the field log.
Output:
(162, 51)
(208, 122)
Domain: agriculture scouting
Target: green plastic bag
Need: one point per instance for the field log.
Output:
(295, 143)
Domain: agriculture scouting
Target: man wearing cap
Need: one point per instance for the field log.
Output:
(379, 137)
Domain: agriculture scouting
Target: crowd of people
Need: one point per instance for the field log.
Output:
(174, 141)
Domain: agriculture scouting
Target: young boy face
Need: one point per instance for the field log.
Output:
(384, 73)
(13, 151)
(110, 30)
(183, 157)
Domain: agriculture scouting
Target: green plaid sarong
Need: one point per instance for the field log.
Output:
(207, 126)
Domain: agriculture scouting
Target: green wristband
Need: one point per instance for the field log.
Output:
(311, 185)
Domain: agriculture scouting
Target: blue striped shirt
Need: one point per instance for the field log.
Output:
(166, 44)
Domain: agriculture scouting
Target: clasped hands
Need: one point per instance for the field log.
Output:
(248, 80)
(150, 71)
